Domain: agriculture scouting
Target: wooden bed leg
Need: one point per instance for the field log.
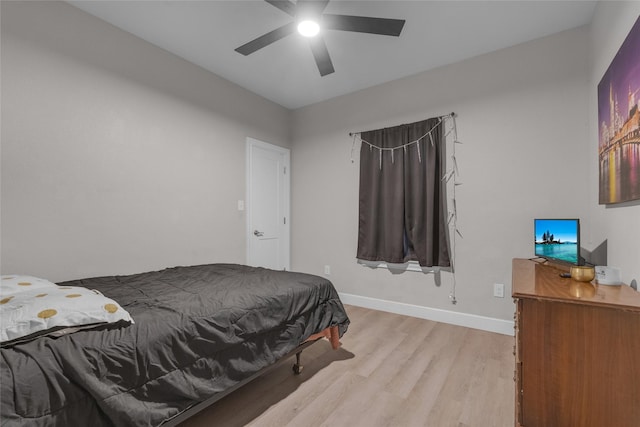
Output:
(334, 337)
(331, 333)
(297, 367)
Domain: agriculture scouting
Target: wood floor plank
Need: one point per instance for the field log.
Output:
(440, 338)
(345, 387)
(391, 371)
(429, 385)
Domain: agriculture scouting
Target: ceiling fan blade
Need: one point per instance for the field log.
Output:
(363, 24)
(284, 5)
(311, 8)
(321, 55)
(266, 39)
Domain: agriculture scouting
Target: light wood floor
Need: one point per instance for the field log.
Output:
(391, 370)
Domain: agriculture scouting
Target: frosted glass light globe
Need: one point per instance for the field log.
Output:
(308, 28)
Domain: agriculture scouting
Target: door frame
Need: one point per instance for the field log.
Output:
(286, 194)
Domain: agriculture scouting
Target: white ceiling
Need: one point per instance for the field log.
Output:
(436, 33)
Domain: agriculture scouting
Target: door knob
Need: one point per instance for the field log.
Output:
(258, 233)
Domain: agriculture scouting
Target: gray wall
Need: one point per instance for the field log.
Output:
(522, 115)
(618, 224)
(117, 156)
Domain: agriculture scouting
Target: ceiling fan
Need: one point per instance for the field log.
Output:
(309, 18)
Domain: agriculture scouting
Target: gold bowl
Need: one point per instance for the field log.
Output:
(582, 273)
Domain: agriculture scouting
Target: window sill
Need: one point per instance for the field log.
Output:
(400, 268)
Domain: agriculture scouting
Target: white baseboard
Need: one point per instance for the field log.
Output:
(490, 324)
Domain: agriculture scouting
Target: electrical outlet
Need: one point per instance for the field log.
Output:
(498, 290)
(327, 270)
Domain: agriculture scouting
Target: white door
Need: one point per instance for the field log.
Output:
(267, 205)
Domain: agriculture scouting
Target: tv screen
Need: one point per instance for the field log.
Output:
(558, 239)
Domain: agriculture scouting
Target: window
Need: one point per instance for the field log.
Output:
(402, 206)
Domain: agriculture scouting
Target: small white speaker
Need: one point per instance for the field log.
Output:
(607, 275)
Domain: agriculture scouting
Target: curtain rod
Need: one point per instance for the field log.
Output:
(440, 117)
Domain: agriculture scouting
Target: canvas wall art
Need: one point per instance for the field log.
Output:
(619, 124)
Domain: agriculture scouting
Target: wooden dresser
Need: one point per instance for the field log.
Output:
(577, 350)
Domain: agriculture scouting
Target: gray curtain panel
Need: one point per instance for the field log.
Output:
(403, 213)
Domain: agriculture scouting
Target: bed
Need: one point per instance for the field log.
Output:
(197, 333)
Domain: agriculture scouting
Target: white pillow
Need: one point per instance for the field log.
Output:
(26, 311)
(12, 284)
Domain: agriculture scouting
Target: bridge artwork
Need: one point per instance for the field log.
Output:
(619, 124)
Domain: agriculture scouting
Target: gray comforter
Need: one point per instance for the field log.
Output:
(198, 331)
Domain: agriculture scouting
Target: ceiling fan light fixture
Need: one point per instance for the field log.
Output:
(306, 16)
(308, 28)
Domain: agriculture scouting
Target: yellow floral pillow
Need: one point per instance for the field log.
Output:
(43, 306)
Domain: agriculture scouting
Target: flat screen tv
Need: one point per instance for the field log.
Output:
(557, 239)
